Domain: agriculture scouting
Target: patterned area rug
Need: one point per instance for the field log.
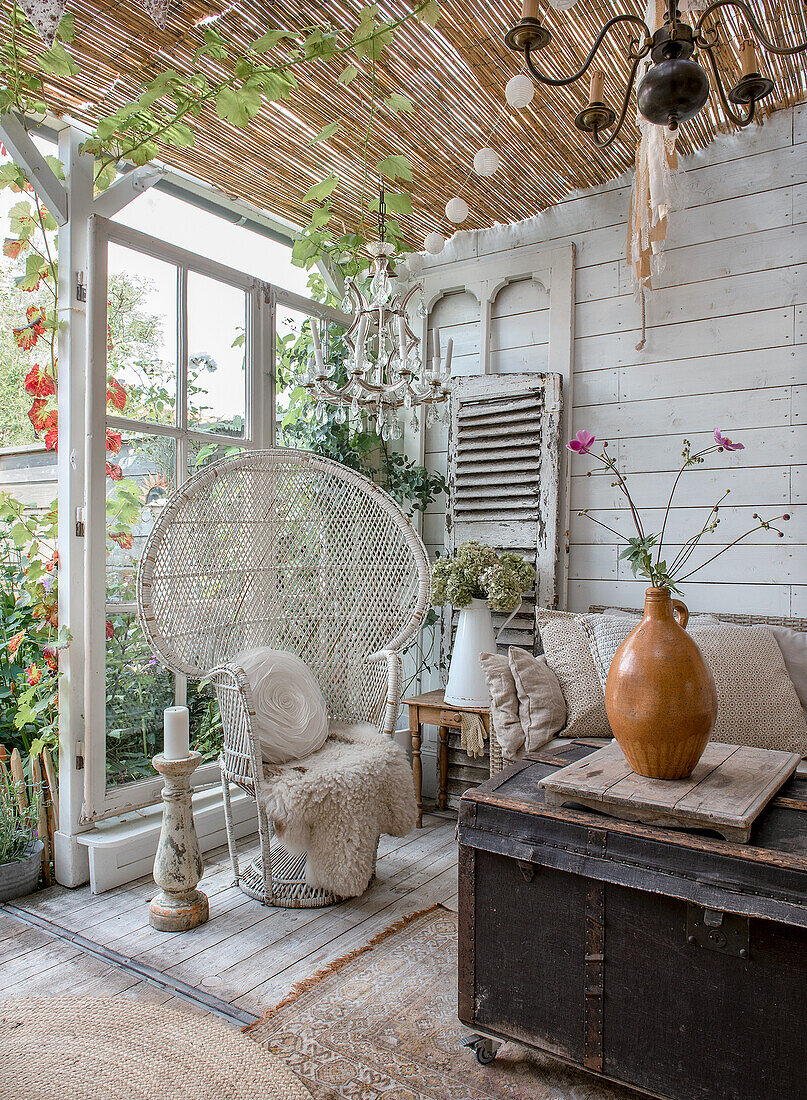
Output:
(382, 1025)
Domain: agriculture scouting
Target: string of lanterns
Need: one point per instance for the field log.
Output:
(519, 92)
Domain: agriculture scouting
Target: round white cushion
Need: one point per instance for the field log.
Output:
(290, 716)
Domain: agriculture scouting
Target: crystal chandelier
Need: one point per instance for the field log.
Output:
(385, 373)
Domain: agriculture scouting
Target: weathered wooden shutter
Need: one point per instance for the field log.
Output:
(503, 478)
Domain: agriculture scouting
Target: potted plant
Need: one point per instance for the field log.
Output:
(20, 850)
(660, 695)
(476, 579)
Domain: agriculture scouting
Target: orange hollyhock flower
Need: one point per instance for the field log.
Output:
(116, 395)
(53, 563)
(113, 471)
(114, 442)
(14, 643)
(34, 674)
(123, 539)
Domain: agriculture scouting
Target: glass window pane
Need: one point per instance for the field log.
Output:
(141, 475)
(295, 422)
(138, 689)
(202, 454)
(205, 720)
(217, 390)
(142, 337)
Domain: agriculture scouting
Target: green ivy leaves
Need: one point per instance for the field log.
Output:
(238, 105)
(395, 167)
(321, 190)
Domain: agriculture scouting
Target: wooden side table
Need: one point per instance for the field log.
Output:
(430, 709)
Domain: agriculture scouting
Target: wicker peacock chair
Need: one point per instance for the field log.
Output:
(284, 549)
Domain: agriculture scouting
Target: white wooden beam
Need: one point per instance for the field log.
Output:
(128, 187)
(40, 175)
(72, 864)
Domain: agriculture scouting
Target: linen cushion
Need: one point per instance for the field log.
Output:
(503, 704)
(793, 644)
(757, 703)
(290, 719)
(568, 654)
(541, 706)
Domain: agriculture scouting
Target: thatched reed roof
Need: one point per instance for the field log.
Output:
(454, 73)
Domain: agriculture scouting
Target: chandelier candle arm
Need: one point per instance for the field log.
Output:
(562, 81)
(595, 133)
(739, 120)
(759, 34)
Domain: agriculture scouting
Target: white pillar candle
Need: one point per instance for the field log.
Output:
(316, 343)
(176, 733)
(402, 341)
(449, 353)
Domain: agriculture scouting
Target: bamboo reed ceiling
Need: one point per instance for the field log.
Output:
(454, 74)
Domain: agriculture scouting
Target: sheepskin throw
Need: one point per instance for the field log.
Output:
(335, 804)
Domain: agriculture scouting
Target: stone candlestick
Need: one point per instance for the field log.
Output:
(178, 864)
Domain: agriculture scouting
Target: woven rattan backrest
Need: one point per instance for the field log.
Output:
(728, 617)
(284, 549)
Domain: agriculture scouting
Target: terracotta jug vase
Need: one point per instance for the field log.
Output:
(660, 695)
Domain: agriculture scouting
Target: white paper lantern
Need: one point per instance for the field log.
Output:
(456, 210)
(562, 5)
(414, 264)
(519, 90)
(434, 243)
(486, 162)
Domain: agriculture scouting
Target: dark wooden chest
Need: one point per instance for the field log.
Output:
(671, 961)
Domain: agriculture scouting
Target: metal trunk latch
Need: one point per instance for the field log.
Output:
(527, 869)
(715, 930)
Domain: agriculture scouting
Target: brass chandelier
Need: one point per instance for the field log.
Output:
(676, 86)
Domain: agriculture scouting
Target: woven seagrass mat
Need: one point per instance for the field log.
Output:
(382, 1023)
(121, 1049)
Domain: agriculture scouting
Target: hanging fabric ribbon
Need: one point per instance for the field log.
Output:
(45, 17)
(655, 182)
(158, 11)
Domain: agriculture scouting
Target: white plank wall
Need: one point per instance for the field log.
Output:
(726, 347)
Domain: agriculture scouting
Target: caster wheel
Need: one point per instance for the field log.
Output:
(485, 1053)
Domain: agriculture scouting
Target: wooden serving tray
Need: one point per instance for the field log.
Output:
(726, 792)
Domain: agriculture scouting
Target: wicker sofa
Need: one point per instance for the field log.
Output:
(800, 624)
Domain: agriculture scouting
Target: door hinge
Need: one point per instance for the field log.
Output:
(715, 930)
(80, 523)
(79, 756)
(81, 287)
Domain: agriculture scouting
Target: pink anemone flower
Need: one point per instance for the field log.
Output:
(727, 445)
(582, 442)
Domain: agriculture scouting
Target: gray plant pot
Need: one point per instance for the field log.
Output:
(20, 877)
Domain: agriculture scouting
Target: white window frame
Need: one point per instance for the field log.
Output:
(101, 801)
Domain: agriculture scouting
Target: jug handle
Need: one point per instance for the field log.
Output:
(681, 612)
(509, 619)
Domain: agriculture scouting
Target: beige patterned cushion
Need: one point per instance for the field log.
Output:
(541, 706)
(568, 655)
(757, 703)
(503, 704)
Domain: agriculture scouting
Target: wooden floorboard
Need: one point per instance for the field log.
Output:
(247, 954)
